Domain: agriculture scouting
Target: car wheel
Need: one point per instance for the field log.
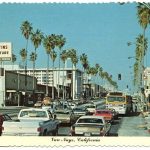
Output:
(55, 132)
(45, 133)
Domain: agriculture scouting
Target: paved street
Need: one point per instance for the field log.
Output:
(133, 126)
(129, 125)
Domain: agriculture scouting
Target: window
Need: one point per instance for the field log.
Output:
(90, 120)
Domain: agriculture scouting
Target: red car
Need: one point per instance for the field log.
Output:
(107, 114)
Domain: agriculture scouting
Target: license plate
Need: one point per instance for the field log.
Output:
(87, 134)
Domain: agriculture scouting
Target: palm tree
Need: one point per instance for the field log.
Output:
(13, 59)
(60, 42)
(136, 69)
(26, 29)
(33, 57)
(23, 55)
(74, 59)
(84, 61)
(97, 66)
(53, 56)
(49, 45)
(36, 38)
(93, 72)
(139, 54)
(101, 75)
(143, 13)
(85, 65)
(63, 56)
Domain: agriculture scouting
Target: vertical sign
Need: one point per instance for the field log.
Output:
(5, 51)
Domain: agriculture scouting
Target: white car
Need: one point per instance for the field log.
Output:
(90, 126)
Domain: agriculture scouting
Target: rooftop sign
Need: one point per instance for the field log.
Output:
(5, 51)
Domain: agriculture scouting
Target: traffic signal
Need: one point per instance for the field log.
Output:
(119, 76)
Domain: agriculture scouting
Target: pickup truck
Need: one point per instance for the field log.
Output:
(32, 122)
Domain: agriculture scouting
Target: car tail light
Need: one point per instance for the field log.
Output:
(72, 131)
(39, 129)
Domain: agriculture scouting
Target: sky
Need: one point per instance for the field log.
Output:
(99, 30)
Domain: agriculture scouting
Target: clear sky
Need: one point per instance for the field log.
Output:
(99, 30)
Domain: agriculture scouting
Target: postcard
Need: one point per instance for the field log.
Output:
(74, 74)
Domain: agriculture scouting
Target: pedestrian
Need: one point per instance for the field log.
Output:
(1, 124)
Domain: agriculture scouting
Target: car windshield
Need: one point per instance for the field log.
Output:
(28, 114)
(115, 99)
(58, 112)
(90, 106)
(79, 109)
(90, 120)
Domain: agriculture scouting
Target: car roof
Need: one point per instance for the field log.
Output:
(89, 116)
(36, 109)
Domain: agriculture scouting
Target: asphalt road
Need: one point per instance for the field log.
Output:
(132, 125)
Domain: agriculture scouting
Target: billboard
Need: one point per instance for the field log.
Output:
(5, 51)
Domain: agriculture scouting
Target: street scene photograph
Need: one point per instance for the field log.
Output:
(75, 70)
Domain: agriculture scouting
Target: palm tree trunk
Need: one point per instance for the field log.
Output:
(72, 84)
(47, 74)
(63, 82)
(75, 88)
(53, 83)
(34, 72)
(59, 73)
(26, 72)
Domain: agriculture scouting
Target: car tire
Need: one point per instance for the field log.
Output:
(45, 133)
(55, 132)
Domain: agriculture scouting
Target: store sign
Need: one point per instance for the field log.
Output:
(5, 51)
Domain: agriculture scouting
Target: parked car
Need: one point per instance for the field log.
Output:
(32, 122)
(107, 114)
(90, 126)
(65, 116)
